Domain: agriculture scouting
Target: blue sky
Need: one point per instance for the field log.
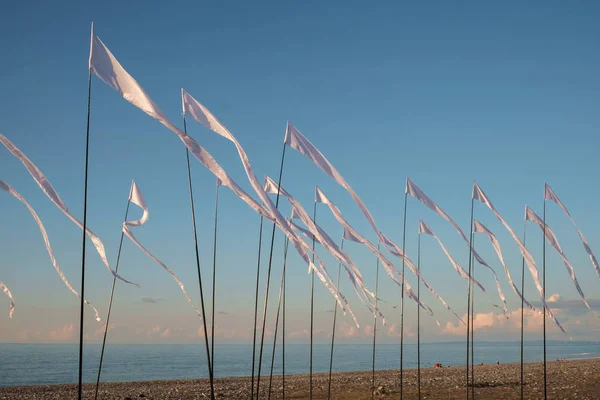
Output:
(502, 93)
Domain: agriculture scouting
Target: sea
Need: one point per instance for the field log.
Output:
(40, 364)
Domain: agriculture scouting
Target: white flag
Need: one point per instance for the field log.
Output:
(327, 281)
(416, 192)
(47, 188)
(7, 188)
(351, 234)
(201, 114)
(11, 307)
(530, 215)
(480, 228)
(550, 195)
(426, 230)
(479, 195)
(320, 235)
(302, 145)
(297, 141)
(135, 196)
(107, 68)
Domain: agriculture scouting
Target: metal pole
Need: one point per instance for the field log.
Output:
(419, 317)
(262, 339)
(473, 327)
(85, 185)
(469, 291)
(522, 306)
(283, 337)
(256, 305)
(212, 323)
(544, 290)
(277, 317)
(208, 362)
(312, 309)
(375, 325)
(402, 301)
(110, 301)
(335, 305)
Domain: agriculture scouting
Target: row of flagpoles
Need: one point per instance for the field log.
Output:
(104, 65)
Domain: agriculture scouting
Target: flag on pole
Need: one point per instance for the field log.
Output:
(48, 189)
(297, 141)
(531, 216)
(135, 196)
(426, 230)
(480, 228)
(11, 307)
(352, 234)
(108, 69)
(322, 237)
(416, 192)
(9, 189)
(550, 195)
(202, 115)
(479, 195)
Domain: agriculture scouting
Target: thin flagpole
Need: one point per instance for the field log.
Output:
(312, 309)
(375, 325)
(523, 305)
(469, 290)
(544, 290)
(473, 328)
(260, 230)
(85, 185)
(212, 323)
(402, 301)
(335, 305)
(264, 321)
(419, 317)
(277, 317)
(283, 335)
(110, 301)
(208, 357)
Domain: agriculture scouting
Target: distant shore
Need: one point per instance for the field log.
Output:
(572, 379)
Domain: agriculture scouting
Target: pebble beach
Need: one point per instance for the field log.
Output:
(574, 379)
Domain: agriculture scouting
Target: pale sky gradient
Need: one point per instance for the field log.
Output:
(505, 93)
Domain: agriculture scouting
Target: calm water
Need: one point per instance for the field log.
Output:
(34, 364)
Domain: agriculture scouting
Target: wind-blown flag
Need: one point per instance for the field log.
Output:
(7, 188)
(108, 69)
(342, 299)
(11, 307)
(326, 241)
(426, 230)
(202, 115)
(416, 192)
(352, 234)
(531, 216)
(135, 196)
(479, 195)
(47, 188)
(480, 228)
(302, 145)
(550, 195)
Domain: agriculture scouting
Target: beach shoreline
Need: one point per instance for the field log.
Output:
(570, 379)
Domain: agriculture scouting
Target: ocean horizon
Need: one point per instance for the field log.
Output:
(41, 364)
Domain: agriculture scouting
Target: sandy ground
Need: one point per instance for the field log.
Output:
(578, 379)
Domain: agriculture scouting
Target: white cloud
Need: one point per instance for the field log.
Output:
(165, 334)
(63, 334)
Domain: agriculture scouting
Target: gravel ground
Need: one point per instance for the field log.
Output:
(577, 379)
